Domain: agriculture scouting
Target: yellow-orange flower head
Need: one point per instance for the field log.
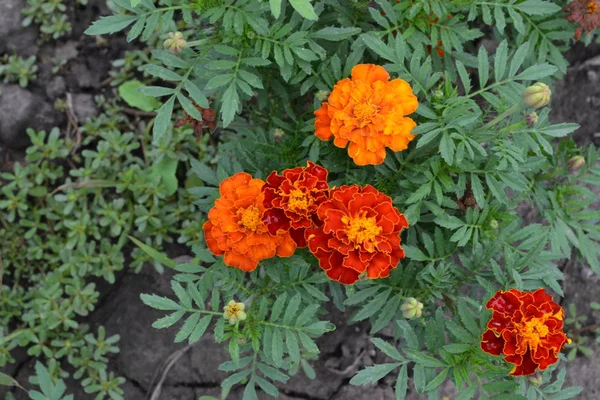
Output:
(368, 112)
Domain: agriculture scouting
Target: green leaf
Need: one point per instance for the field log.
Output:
(423, 359)
(275, 7)
(387, 349)
(500, 60)
(235, 378)
(200, 329)
(308, 343)
(373, 374)
(378, 47)
(163, 119)
(155, 91)
(230, 106)
(277, 347)
(567, 393)
(155, 254)
(112, 24)
(304, 8)
(187, 328)
(169, 320)
(437, 381)
(537, 7)
(7, 380)
(559, 130)
(162, 73)
(334, 34)
(457, 348)
(166, 169)
(267, 387)
(204, 172)
(196, 94)
(536, 72)
(158, 302)
(189, 108)
(278, 307)
(401, 383)
(292, 309)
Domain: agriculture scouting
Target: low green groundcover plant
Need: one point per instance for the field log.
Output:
(381, 155)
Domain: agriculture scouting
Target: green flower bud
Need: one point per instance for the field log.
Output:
(322, 95)
(438, 94)
(250, 35)
(175, 42)
(278, 134)
(532, 118)
(412, 308)
(536, 380)
(494, 224)
(537, 95)
(575, 163)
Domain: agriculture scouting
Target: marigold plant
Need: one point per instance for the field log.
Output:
(397, 142)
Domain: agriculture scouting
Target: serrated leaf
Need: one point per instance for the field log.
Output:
(112, 24)
(130, 91)
(334, 34)
(373, 374)
(230, 106)
(155, 254)
(304, 8)
(163, 119)
(187, 328)
(537, 7)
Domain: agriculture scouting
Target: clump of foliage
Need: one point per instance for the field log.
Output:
(51, 16)
(68, 210)
(19, 70)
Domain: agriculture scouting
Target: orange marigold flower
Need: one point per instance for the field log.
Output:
(359, 233)
(235, 227)
(527, 327)
(292, 199)
(586, 13)
(368, 113)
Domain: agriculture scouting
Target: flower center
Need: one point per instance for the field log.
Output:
(249, 218)
(362, 230)
(232, 310)
(364, 112)
(592, 7)
(533, 330)
(298, 200)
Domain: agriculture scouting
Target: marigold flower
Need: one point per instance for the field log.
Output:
(586, 13)
(359, 233)
(527, 327)
(235, 227)
(234, 312)
(292, 199)
(367, 113)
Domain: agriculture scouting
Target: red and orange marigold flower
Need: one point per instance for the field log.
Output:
(527, 327)
(368, 113)
(359, 233)
(586, 13)
(292, 199)
(235, 227)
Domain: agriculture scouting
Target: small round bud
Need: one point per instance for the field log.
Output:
(494, 224)
(322, 95)
(532, 118)
(575, 163)
(250, 35)
(438, 94)
(412, 308)
(234, 312)
(536, 380)
(278, 134)
(537, 95)
(175, 42)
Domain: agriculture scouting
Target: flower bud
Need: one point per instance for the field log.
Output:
(250, 35)
(322, 95)
(494, 224)
(438, 94)
(278, 134)
(412, 308)
(532, 118)
(536, 380)
(575, 163)
(175, 42)
(537, 95)
(234, 312)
